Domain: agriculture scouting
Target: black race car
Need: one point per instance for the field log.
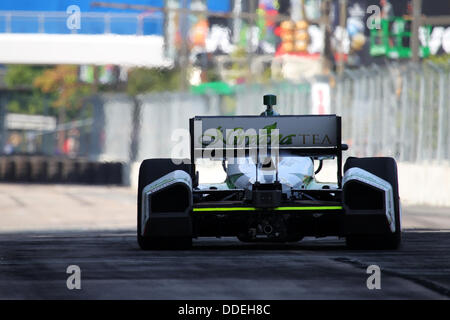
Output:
(270, 192)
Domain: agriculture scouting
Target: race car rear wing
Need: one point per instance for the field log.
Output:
(305, 135)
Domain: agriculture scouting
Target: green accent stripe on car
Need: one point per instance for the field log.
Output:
(225, 209)
(275, 209)
(307, 208)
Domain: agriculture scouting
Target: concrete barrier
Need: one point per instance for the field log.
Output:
(424, 184)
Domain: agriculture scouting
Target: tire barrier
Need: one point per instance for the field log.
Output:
(37, 169)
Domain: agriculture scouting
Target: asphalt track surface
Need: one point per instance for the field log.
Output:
(33, 263)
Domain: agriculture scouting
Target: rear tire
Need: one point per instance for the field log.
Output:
(385, 168)
(149, 171)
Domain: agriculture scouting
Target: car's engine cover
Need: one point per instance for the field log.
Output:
(293, 172)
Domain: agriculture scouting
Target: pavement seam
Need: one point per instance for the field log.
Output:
(77, 198)
(19, 202)
(423, 282)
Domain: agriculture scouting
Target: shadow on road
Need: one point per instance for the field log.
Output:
(113, 267)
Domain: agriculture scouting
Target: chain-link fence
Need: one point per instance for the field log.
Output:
(397, 110)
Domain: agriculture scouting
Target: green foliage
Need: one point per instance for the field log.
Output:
(27, 100)
(142, 80)
(22, 75)
(68, 93)
(44, 89)
(31, 102)
(443, 61)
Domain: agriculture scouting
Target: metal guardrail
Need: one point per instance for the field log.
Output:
(91, 22)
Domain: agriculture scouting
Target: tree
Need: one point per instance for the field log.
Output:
(22, 76)
(22, 97)
(69, 94)
(62, 82)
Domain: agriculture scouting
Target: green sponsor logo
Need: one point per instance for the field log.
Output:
(240, 137)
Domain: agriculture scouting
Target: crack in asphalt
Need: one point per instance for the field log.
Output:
(420, 281)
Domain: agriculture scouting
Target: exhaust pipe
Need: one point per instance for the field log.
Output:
(268, 229)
